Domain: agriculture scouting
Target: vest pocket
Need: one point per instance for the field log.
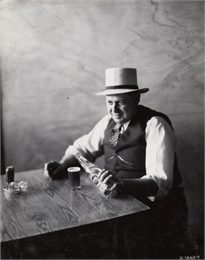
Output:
(124, 161)
(116, 162)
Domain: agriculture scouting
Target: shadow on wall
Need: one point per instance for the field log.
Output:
(2, 136)
(191, 164)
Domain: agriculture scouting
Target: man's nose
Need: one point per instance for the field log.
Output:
(115, 107)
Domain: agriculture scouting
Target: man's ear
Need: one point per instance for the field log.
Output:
(137, 98)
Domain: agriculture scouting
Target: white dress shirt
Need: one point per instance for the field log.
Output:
(160, 150)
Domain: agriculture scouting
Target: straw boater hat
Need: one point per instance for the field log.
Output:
(121, 80)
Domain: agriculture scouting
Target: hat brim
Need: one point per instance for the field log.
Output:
(120, 91)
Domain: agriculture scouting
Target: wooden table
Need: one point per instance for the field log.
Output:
(52, 206)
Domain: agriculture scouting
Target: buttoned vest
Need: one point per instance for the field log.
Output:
(127, 159)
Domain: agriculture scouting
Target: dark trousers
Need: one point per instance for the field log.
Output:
(167, 231)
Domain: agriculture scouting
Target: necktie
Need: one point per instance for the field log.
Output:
(115, 134)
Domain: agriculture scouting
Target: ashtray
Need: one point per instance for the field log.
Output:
(15, 186)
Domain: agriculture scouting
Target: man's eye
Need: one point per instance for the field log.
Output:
(121, 103)
(109, 102)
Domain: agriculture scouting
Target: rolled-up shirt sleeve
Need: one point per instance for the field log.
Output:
(91, 144)
(160, 154)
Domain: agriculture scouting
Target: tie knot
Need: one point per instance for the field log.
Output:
(117, 127)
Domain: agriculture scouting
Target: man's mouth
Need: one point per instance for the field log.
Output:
(116, 115)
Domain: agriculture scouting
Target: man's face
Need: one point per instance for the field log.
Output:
(122, 107)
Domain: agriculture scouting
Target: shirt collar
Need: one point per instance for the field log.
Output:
(125, 125)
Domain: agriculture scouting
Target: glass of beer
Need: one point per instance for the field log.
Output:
(74, 177)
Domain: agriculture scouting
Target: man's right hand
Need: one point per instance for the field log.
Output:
(56, 171)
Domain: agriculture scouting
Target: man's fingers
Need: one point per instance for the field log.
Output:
(103, 175)
(101, 172)
(52, 165)
(56, 171)
(107, 178)
(114, 186)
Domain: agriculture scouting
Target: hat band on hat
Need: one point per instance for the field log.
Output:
(122, 87)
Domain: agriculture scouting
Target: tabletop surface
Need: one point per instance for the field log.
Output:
(49, 206)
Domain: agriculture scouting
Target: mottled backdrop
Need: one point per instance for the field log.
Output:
(55, 52)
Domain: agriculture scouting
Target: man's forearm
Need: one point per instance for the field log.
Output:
(142, 187)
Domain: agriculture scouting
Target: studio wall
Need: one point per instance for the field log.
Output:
(54, 54)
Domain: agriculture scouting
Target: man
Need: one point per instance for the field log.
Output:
(139, 145)
(143, 160)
